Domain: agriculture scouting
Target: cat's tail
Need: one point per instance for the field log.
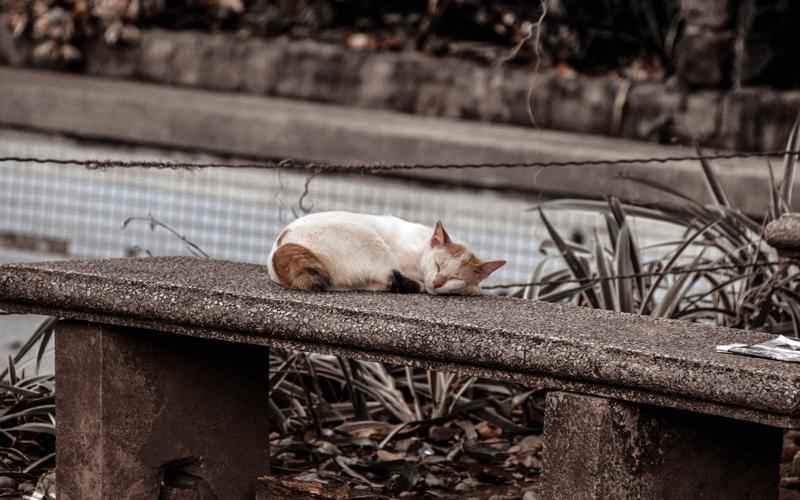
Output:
(298, 267)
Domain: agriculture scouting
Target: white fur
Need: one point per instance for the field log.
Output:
(360, 251)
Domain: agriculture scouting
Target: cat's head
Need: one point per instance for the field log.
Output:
(449, 268)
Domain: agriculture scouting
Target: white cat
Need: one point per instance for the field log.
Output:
(350, 251)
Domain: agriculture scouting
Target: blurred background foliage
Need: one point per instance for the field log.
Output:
(589, 36)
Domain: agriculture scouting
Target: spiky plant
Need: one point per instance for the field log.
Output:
(28, 411)
(720, 271)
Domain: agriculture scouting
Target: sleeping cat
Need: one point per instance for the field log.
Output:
(350, 251)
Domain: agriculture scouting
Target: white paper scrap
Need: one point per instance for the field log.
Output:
(780, 348)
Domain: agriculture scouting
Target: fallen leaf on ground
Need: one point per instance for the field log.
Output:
(388, 456)
(439, 433)
(488, 431)
(532, 443)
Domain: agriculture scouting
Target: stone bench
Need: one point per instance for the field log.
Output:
(159, 359)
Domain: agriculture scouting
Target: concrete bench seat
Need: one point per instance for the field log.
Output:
(656, 411)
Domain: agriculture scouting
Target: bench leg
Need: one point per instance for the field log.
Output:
(598, 448)
(130, 401)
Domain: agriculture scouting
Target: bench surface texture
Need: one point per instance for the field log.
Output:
(548, 346)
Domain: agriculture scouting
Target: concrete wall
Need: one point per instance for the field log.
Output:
(748, 119)
(257, 126)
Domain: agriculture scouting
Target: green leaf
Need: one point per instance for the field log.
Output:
(712, 182)
(14, 454)
(280, 374)
(460, 393)
(673, 216)
(12, 371)
(717, 292)
(671, 263)
(709, 313)
(573, 263)
(42, 410)
(675, 293)
(39, 463)
(43, 347)
(613, 230)
(624, 266)
(578, 249)
(277, 416)
(632, 252)
(563, 293)
(664, 189)
(37, 335)
(37, 427)
(409, 380)
(606, 285)
(531, 292)
(775, 194)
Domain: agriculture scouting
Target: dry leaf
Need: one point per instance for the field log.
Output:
(298, 488)
(532, 443)
(467, 485)
(469, 429)
(361, 41)
(405, 444)
(531, 461)
(438, 433)
(433, 481)
(488, 431)
(345, 462)
(365, 429)
(388, 456)
(363, 443)
(326, 448)
(232, 5)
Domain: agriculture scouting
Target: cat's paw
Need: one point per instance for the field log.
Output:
(399, 283)
(472, 291)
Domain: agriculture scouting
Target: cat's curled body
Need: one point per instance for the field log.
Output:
(352, 251)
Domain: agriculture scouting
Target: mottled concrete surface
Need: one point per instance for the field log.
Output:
(130, 402)
(663, 362)
(598, 448)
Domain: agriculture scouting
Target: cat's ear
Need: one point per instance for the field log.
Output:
(440, 236)
(488, 268)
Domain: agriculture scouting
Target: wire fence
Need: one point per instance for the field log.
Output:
(59, 208)
(322, 167)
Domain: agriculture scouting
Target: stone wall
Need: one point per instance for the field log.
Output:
(747, 119)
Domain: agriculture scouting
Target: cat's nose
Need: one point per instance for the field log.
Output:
(439, 282)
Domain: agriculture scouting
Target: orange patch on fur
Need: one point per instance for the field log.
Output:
(473, 262)
(298, 267)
